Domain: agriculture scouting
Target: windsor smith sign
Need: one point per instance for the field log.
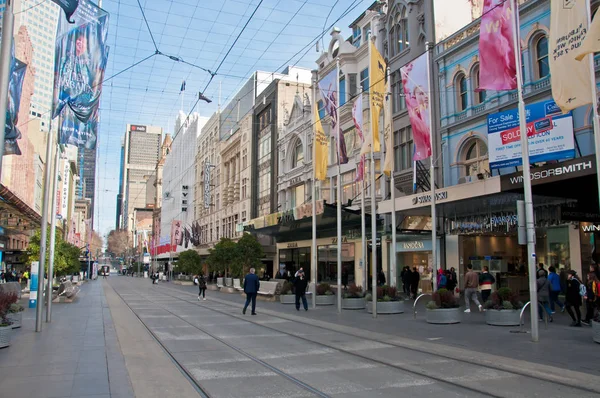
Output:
(551, 172)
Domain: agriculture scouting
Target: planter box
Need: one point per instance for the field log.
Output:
(228, 281)
(5, 335)
(15, 318)
(503, 317)
(443, 316)
(353, 303)
(596, 330)
(325, 300)
(287, 299)
(386, 307)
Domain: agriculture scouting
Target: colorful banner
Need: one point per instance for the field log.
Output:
(497, 66)
(377, 80)
(68, 6)
(550, 134)
(591, 43)
(80, 62)
(570, 79)
(415, 80)
(176, 233)
(72, 131)
(388, 164)
(328, 87)
(15, 88)
(357, 117)
(321, 146)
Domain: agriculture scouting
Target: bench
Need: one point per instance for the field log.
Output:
(268, 288)
(66, 292)
(220, 283)
(237, 285)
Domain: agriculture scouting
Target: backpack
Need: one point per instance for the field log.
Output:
(582, 289)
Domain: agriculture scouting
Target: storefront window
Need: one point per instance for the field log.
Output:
(327, 263)
(557, 248)
(294, 259)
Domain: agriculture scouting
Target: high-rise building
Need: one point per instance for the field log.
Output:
(118, 221)
(87, 170)
(141, 154)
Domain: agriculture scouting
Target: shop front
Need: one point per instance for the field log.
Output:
(415, 252)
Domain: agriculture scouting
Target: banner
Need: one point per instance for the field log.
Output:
(415, 80)
(15, 88)
(328, 87)
(321, 148)
(176, 233)
(72, 131)
(357, 117)
(377, 80)
(570, 79)
(591, 43)
(80, 62)
(550, 134)
(497, 66)
(68, 6)
(388, 164)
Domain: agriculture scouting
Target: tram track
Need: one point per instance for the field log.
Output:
(368, 358)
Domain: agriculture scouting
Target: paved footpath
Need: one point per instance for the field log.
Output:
(282, 353)
(89, 350)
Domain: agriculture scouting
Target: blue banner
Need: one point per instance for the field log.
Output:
(15, 88)
(80, 62)
(68, 6)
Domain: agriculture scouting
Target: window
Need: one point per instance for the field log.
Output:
(403, 149)
(244, 159)
(298, 155)
(321, 107)
(356, 36)
(244, 188)
(399, 40)
(243, 216)
(541, 51)
(475, 157)
(366, 31)
(398, 100)
(297, 196)
(342, 90)
(364, 79)
(479, 95)
(463, 95)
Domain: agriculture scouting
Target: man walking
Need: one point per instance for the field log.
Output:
(471, 285)
(251, 286)
(300, 285)
(573, 298)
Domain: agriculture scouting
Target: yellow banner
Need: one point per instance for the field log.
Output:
(377, 73)
(388, 165)
(321, 148)
(570, 79)
(591, 42)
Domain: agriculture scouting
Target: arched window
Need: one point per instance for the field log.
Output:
(479, 96)
(399, 39)
(541, 57)
(298, 155)
(475, 157)
(462, 94)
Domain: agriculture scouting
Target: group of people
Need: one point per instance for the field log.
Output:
(410, 281)
(14, 276)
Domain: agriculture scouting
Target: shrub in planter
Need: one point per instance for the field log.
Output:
(443, 298)
(6, 300)
(443, 308)
(503, 299)
(388, 301)
(353, 292)
(15, 314)
(286, 296)
(324, 289)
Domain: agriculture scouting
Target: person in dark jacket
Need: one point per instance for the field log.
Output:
(540, 267)
(405, 276)
(380, 278)
(414, 282)
(300, 285)
(201, 287)
(591, 297)
(345, 276)
(486, 281)
(573, 299)
(251, 286)
(451, 281)
(543, 290)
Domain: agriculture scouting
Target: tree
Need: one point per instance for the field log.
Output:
(223, 256)
(117, 242)
(66, 255)
(249, 253)
(190, 262)
(96, 243)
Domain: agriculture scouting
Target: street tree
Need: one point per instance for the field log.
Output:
(66, 255)
(249, 253)
(223, 256)
(117, 242)
(190, 262)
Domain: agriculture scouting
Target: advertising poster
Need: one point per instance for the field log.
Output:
(550, 134)
(33, 286)
(328, 88)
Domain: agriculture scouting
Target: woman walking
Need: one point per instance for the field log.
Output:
(573, 298)
(201, 287)
(591, 297)
(543, 290)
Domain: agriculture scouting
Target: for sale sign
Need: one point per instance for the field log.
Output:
(550, 135)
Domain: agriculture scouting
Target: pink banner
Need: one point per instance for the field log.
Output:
(497, 70)
(357, 116)
(415, 80)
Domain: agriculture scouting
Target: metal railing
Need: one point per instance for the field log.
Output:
(522, 323)
(415, 304)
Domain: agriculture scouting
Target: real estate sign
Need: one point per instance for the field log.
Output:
(550, 134)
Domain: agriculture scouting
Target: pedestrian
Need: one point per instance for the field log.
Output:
(471, 285)
(25, 277)
(251, 286)
(595, 269)
(441, 279)
(486, 280)
(555, 290)
(573, 298)
(380, 278)
(344, 277)
(451, 280)
(201, 282)
(300, 285)
(591, 297)
(414, 282)
(540, 267)
(405, 277)
(543, 291)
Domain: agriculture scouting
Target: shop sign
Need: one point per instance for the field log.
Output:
(292, 245)
(138, 128)
(503, 220)
(578, 214)
(417, 200)
(335, 240)
(413, 245)
(295, 180)
(286, 217)
(550, 173)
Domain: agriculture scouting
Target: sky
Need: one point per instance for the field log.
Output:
(200, 33)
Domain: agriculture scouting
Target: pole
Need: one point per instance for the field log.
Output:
(373, 211)
(363, 233)
(8, 20)
(339, 195)
(52, 235)
(594, 100)
(393, 257)
(313, 270)
(530, 222)
(432, 181)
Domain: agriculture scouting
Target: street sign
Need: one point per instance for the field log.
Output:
(33, 287)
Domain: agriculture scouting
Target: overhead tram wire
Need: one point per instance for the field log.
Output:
(147, 25)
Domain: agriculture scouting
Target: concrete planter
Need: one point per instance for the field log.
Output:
(5, 335)
(287, 299)
(15, 318)
(325, 300)
(220, 282)
(228, 281)
(353, 303)
(596, 330)
(443, 316)
(503, 317)
(386, 307)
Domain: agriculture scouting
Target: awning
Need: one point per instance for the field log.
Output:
(15, 215)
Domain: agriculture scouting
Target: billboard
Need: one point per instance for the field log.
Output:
(135, 127)
(550, 134)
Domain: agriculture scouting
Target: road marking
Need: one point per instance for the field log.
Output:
(434, 338)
